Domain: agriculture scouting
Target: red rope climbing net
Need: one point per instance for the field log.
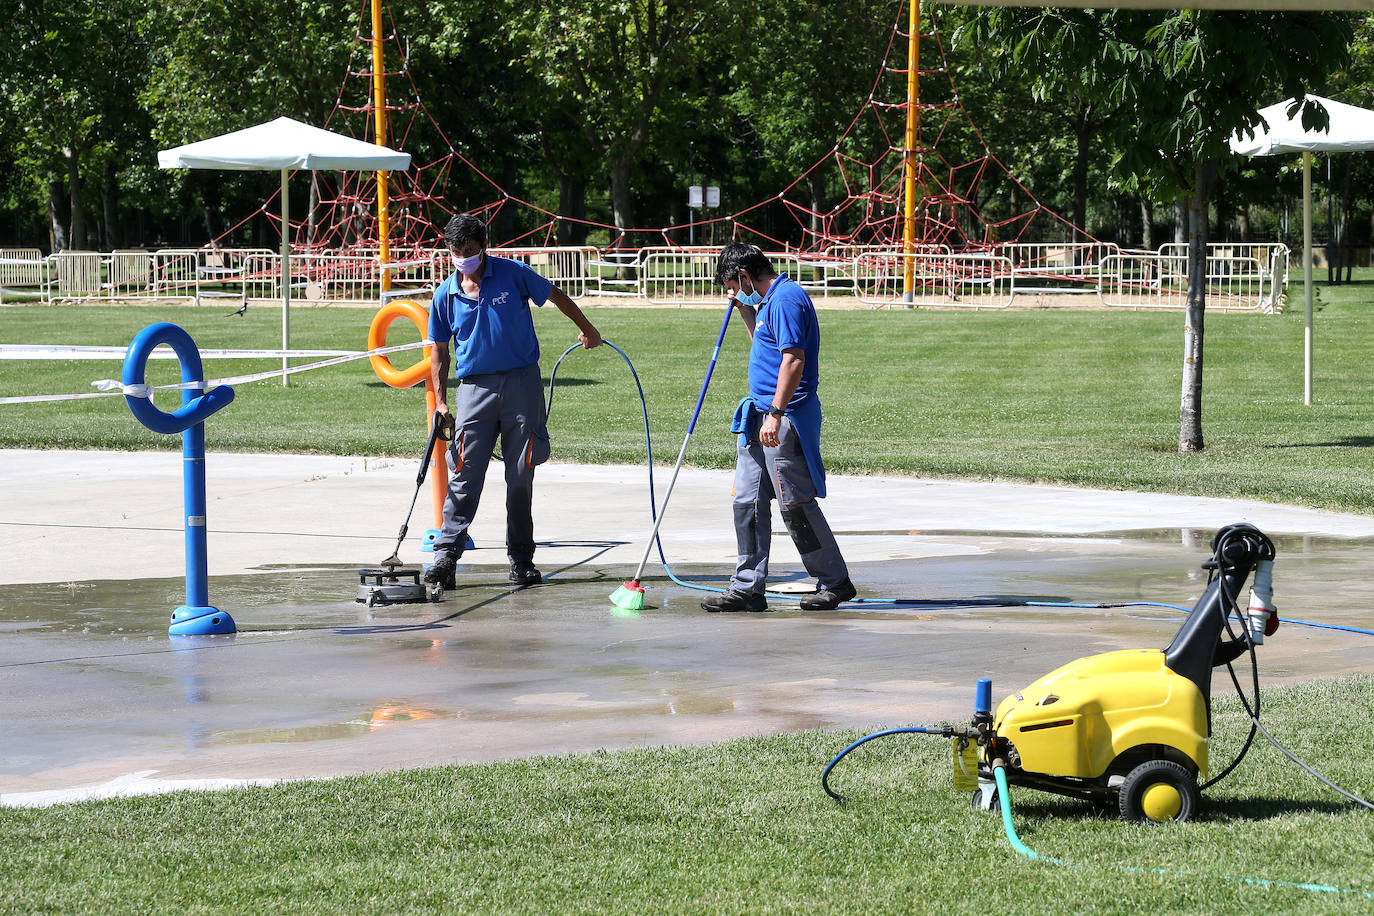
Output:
(968, 201)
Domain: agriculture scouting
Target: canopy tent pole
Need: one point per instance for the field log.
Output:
(1349, 128)
(285, 279)
(1307, 275)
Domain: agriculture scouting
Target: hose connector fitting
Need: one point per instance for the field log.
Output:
(1262, 616)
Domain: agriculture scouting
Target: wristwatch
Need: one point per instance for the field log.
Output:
(776, 411)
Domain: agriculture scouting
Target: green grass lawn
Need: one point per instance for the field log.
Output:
(736, 827)
(1087, 398)
(1081, 398)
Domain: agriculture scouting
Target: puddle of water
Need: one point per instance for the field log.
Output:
(388, 715)
(90, 674)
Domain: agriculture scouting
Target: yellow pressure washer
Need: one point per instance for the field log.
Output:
(1131, 728)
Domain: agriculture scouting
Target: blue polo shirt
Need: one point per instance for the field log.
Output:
(786, 319)
(495, 331)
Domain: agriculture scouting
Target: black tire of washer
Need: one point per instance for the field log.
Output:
(977, 800)
(1153, 772)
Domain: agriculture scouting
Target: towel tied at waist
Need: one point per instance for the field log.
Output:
(805, 417)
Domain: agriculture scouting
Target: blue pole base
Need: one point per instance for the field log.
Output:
(201, 621)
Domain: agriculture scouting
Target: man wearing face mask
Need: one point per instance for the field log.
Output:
(779, 426)
(483, 308)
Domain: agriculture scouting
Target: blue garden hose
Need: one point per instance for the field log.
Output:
(908, 730)
(998, 771)
(871, 602)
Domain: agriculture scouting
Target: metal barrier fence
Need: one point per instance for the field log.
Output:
(1243, 267)
(567, 268)
(1240, 276)
(1056, 268)
(77, 275)
(834, 272)
(680, 276)
(976, 281)
(1147, 280)
(23, 274)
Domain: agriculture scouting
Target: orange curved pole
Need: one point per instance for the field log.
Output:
(407, 378)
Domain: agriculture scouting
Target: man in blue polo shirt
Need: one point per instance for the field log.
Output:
(779, 426)
(483, 308)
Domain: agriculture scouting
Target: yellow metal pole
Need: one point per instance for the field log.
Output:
(379, 117)
(913, 121)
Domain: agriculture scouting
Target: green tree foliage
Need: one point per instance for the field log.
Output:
(1188, 83)
(69, 92)
(1176, 86)
(1055, 56)
(798, 77)
(606, 65)
(606, 110)
(213, 68)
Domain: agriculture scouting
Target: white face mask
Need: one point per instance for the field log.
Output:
(751, 299)
(467, 265)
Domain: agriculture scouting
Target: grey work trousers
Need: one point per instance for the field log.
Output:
(508, 405)
(762, 474)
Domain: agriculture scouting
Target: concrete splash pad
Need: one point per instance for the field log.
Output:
(317, 685)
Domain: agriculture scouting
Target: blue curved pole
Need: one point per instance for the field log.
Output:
(197, 617)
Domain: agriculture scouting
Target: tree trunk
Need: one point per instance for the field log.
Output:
(1223, 209)
(1181, 219)
(505, 226)
(622, 199)
(622, 202)
(1147, 222)
(57, 199)
(1190, 410)
(209, 200)
(78, 224)
(816, 186)
(109, 199)
(1082, 138)
(572, 202)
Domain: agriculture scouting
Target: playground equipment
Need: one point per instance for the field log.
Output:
(196, 617)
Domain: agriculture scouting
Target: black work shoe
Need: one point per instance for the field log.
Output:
(441, 571)
(734, 601)
(827, 599)
(523, 574)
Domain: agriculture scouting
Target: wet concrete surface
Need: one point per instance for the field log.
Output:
(316, 684)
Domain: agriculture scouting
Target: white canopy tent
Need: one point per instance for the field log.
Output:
(283, 144)
(1350, 129)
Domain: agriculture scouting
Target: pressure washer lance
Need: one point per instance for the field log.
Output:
(435, 434)
(630, 595)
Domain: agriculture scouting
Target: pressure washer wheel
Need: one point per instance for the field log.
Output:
(985, 799)
(1159, 791)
